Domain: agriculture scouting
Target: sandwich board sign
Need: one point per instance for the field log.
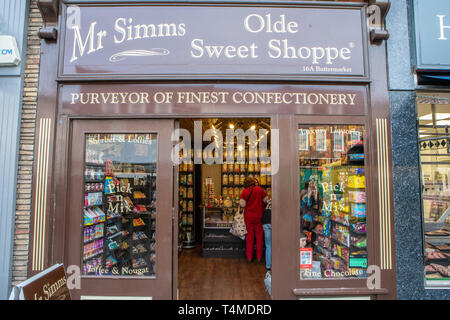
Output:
(50, 284)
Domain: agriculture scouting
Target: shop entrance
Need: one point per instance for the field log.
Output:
(220, 154)
(119, 208)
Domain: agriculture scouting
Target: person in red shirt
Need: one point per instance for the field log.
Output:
(253, 200)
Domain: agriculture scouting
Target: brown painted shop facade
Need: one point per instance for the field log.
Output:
(116, 79)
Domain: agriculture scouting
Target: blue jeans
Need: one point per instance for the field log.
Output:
(268, 242)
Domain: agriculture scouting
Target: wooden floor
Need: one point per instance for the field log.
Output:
(219, 278)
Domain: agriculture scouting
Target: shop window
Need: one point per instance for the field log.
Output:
(434, 145)
(333, 236)
(119, 213)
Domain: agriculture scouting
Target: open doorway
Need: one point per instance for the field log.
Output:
(212, 263)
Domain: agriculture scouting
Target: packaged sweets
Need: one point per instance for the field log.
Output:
(356, 171)
(263, 181)
(225, 179)
(189, 179)
(358, 227)
(224, 192)
(139, 263)
(140, 208)
(269, 179)
(190, 207)
(241, 179)
(357, 196)
(251, 167)
(139, 235)
(262, 167)
(139, 195)
(257, 166)
(93, 199)
(182, 192)
(134, 250)
(191, 167)
(110, 261)
(358, 210)
(242, 167)
(224, 168)
(236, 179)
(112, 244)
(141, 248)
(185, 167)
(138, 222)
(357, 182)
(190, 193)
(230, 167)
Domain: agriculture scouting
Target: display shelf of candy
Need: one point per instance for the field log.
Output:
(92, 249)
(341, 252)
(94, 173)
(123, 238)
(186, 205)
(93, 215)
(143, 190)
(92, 233)
(341, 234)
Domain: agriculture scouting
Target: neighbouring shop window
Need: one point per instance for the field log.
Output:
(333, 236)
(119, 213)
(434, 145)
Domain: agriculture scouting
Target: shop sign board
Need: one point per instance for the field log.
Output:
(432, 32)
(50, 284)
(169, 99)
(198, 40)
(9, 52)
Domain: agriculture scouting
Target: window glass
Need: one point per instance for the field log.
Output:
(434, 145)
(333, 238)
(119, 212)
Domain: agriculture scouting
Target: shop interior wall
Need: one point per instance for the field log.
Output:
(405, 156)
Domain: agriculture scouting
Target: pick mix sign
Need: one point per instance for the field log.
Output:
(213, 40)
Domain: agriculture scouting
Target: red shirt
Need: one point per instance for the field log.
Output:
(255, 206)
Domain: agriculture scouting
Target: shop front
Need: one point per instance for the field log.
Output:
(120, 98)
(433, 114)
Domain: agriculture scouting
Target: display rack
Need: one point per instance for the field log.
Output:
(217, 239)
(341, 229)
(120, 240)
(234, 174)
(186, 206)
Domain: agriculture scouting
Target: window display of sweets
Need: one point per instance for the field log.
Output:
(119, 214)
(333, 200)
